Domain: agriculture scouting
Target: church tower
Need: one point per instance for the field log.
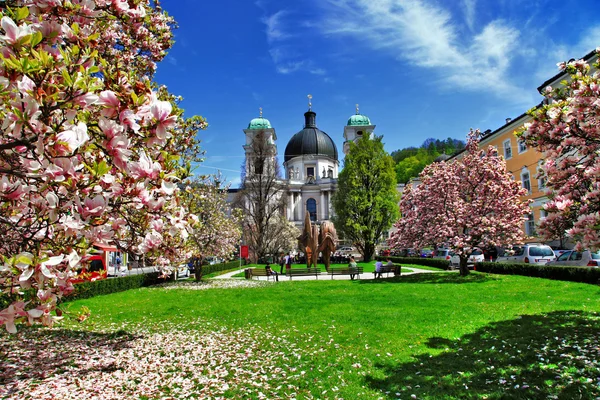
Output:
(260, 147)
(357, 125)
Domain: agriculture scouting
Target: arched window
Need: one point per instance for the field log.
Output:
(311, 207)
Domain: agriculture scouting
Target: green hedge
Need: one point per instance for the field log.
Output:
(429, 262)
(209, 269)
(573, 274)
(86, 290)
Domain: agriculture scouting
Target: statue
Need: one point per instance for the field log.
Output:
(327, 241)
(308, 241)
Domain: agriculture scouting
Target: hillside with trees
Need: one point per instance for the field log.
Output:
(411, 161)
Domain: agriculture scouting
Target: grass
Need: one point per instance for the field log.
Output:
(434, 336)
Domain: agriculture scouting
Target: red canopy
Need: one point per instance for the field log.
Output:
(105, 247)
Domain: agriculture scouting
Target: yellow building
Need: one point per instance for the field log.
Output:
(524, 163)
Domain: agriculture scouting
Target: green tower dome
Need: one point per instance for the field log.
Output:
(259, 123)
(358, 120)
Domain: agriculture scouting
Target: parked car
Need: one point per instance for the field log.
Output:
(348, 251)
(426, 253)
(532, 253)
(559, 253)
(475, 257)
(443, 254)
(572, 258)
(182, 271)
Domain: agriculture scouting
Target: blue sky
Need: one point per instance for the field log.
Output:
(418, 68)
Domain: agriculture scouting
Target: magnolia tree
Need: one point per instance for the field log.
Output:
(217, 231)
(90, 146)
(567, 130)
(467, 203)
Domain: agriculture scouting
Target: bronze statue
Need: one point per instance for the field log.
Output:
(311, 241)
(307, 241)
(327, 241)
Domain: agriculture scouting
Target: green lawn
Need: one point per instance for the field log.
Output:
(434, 336)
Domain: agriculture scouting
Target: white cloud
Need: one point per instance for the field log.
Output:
(425, 35)
(469, 10)
(274, 29)
(285, 56)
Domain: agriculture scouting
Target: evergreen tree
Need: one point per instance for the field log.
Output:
(366, 200)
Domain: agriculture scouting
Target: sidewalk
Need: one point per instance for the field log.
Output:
(323, 276)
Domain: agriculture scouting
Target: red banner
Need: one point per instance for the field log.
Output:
(244, 251)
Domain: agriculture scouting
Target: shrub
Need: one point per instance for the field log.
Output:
(429, 262)
(86, 290)
(573, 274)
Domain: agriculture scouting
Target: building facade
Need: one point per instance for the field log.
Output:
(310, 165)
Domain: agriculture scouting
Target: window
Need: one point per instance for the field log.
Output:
(526, 181)
(311, 207)
(522, 146)
(310, 171)
(359, 133)
(507, 149)
(543, 213)
(541, 178)
(530, 229)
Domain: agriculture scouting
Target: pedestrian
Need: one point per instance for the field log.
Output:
(353, 267)
(281, 263)
(288, 261)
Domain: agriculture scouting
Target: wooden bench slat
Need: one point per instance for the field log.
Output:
(303, 272)
(345, 271)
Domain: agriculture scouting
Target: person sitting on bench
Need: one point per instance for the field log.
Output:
(378, 267)
(353, 267)
(270, 272)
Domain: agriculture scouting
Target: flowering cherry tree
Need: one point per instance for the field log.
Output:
(91, 150)
(567, 130)
(216, 232)
(463, 204)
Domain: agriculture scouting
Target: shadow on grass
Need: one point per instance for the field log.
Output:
(35, 354)
(433, 278)
(554, 355)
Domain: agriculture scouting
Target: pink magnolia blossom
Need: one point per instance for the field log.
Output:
(14, 33)
(88, 154)
(463, 204)
(567, 131)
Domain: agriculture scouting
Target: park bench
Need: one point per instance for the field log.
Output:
(345, 271)
(250, 272)
(303, 272)
(386, 269)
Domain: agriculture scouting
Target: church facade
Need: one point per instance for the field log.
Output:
(310, 164)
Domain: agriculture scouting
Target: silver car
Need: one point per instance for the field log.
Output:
(531, 253)
(572, 258)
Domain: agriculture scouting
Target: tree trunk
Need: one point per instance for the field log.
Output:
(369, 250)
(464, 269)
(198, 268)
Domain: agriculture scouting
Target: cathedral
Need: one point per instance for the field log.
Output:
(310, 164)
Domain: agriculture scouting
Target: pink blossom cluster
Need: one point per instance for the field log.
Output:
(462, 204)
(89, 145)
(567, 131)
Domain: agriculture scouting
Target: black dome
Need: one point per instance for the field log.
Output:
(310, 140)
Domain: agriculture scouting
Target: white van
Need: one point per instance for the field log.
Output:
(531, 253)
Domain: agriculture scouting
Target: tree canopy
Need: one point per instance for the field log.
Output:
(366, 200)
(91, 150)
(463, 204)
(567, 131)
(411, 161)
